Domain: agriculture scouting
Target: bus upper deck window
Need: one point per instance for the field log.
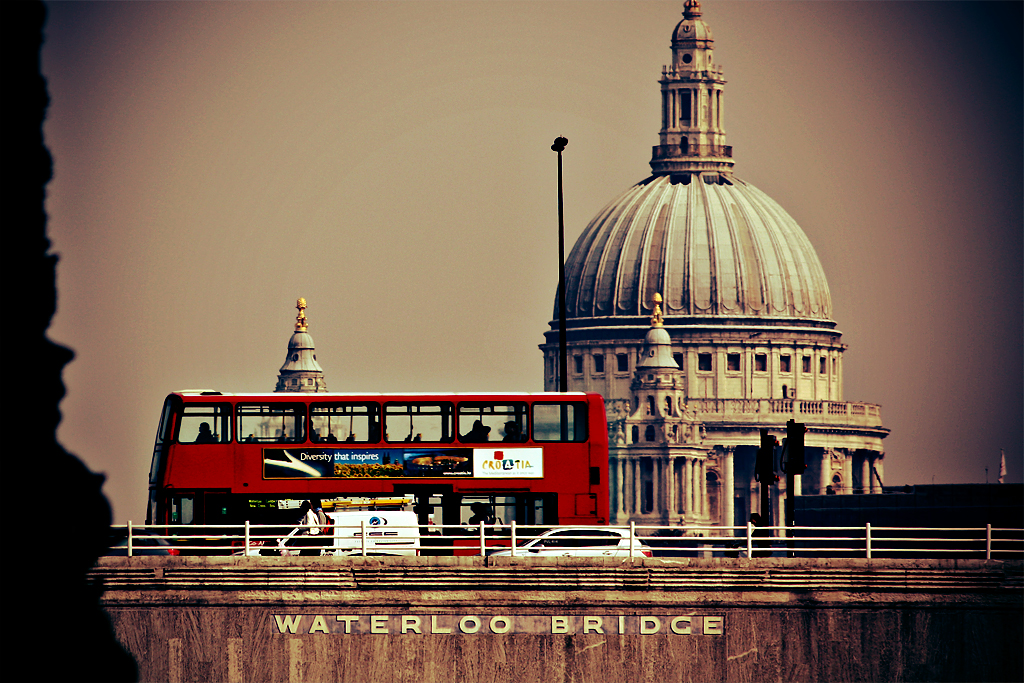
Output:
(502, 422)
(415, 422)
(560, 421)
(205, 423)
(272, 423)
(344, 422)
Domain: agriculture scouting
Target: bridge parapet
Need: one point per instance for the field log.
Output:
(527, 618)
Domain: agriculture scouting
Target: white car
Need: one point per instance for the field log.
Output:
(581, 542)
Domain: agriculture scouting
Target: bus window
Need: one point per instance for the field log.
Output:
(272, 423)
(504, 422)
(344, 422)
(205, 423)
(412, 422)
(560, 421)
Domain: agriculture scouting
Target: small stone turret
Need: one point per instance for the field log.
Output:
(301, 371)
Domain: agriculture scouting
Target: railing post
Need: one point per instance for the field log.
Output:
(362, 536)
(750, 540)
(483, 542)
(988, 541)
(129, 538)
(513, 538)
(632, 532)
(867, 538)
(245, 552)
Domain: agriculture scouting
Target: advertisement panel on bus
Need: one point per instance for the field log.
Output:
(344, 463)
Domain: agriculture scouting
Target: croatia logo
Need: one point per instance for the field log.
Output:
(526, 463)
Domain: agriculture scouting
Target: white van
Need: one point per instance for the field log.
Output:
(388, 532)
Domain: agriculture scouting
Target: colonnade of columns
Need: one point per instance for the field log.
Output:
(868, 467)
(678, 484)
(869, 482)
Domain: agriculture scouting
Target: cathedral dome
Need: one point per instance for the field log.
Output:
(712, 245)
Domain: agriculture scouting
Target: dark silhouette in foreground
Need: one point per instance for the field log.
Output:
(54, 511)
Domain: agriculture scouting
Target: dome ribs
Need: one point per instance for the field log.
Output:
(805, 277)
(611, 256)
(702, 283)
(631, 261)
(653, 275)
(676, 267)
(710, 249)
(581, 266)
(751, 265)
(785, 295)
(727, 265)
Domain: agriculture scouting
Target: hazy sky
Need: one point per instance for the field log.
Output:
(390, 162)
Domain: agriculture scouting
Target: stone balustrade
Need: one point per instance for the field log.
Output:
(773, 411)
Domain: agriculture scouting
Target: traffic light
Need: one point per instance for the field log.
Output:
(795, 446)
(764, 466)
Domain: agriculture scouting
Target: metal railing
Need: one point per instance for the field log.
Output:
(521, 540)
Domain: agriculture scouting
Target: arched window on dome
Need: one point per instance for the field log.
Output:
(650, 405)
(649, 433)
(668, 405)
(635, 434)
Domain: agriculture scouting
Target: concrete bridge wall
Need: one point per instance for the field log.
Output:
(526, 619)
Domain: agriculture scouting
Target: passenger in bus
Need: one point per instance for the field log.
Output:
(351, 438)
(478, 434)
(331, 438)
(205, 434)
(513, 432)
(418, 437)
(482, 514)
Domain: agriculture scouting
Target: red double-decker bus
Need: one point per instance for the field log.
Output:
(536, 458)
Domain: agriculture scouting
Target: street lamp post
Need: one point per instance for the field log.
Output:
(563, 360)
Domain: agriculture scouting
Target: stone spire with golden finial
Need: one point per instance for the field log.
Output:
(301, 371)
(657, 344)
